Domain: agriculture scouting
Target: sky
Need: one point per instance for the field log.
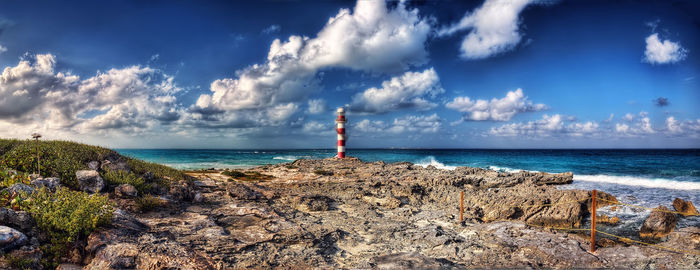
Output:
(411, 74)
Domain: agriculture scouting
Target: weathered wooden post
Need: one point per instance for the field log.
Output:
(593, 214)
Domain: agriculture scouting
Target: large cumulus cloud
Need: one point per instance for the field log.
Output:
(33, 94)
(493, 28)
(408, 91)
(371, 38)
(497, 109)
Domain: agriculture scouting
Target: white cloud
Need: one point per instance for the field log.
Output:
(405, 92)
(271, 29)
(610, 118)
(316, 106)
(497, 109)
(33, 96)
(547, 126)
(639, 128)
(672, 125)
(412, 123)
(2, 49)
(622, 128)
(370, 126)
(372, 38)
(663, 52)
(493, 28)
(683, 128)
(409, 125)
(315, 127)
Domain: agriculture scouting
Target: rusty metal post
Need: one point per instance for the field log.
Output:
(594, 205)
(461, 207)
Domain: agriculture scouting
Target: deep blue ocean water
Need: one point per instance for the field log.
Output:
(642, 177)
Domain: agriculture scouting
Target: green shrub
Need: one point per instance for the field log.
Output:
(291, 167)
(117, 177)
(57, 158)
(148, 202)
(17, 262)
(323, 172)
(62, 159)
(67, 216)
(235, 174)
(247, 176)
(8, 178)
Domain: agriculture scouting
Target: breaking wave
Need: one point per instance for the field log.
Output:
(639, 181)
(430, 160)
(290, 158)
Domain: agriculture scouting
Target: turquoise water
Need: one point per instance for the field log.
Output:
(675, 165)
(642, 177)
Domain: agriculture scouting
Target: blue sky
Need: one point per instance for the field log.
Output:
(414, 74)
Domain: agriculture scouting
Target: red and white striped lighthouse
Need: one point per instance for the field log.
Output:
(340, 128)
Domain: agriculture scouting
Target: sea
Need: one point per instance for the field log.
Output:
(644, 178)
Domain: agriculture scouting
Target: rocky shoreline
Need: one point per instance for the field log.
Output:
(352, 214)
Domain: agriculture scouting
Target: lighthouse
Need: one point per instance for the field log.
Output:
(340, 128)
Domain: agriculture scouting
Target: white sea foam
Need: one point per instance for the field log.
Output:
(430, 160)
(505, 169)
(290, 158)
(205, 165)
(639, 181)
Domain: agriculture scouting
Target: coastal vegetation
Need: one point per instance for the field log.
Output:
(63, 158)
(119, 177)
(58, 209)
(246, 176)
(67, 216)
(148, 202)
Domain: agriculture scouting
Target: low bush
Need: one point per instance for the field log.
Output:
(57, 158)
(17, 262)
(117, 177)
(148, 202)
(9, 177)
(247, 176)
(67, 216)
(235, 174)
(63, 158)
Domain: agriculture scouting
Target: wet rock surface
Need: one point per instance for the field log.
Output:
(685, 207)
(659, 224)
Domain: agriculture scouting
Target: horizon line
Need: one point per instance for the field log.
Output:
(380, 148)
